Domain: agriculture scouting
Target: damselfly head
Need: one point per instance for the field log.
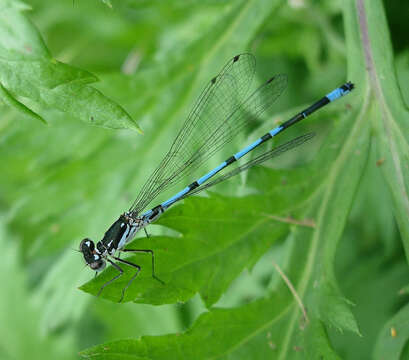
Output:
(91, 257)
(87, 246)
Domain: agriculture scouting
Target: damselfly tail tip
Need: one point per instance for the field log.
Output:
(350, 86)
(346, 88)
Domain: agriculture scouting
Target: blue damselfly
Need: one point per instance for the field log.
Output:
(221, 112)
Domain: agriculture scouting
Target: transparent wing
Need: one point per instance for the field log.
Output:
(218, 115)
(277, 151)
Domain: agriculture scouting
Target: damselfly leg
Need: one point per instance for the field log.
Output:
(129, 263)
(153, 260)
(121, 272)
(138, 269)
(113, 279)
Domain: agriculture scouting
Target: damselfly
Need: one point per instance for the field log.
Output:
(221, 112)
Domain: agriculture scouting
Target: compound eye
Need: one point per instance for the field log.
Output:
(98, 265)
(87, 245)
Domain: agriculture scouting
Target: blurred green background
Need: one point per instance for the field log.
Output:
(68, 180)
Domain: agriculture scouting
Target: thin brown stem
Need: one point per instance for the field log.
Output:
(293, 291)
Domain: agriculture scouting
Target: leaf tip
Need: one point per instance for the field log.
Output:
(131, 124)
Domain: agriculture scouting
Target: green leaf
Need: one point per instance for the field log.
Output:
(333, 209)
(10, 101)
(28, 71)
(222, 330)
(394, 336)
(389, 112)
(317, 344)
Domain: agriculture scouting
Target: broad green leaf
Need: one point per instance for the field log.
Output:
(254, 330)
(29, 74)
(222, 330)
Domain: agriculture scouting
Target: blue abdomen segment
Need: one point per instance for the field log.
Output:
(276, 130)
(256, 143)
(247, 149)
(175, 197)
(339, 92)
(211, 173)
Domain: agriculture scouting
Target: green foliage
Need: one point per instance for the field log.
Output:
(333, 217)
(29, 71)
